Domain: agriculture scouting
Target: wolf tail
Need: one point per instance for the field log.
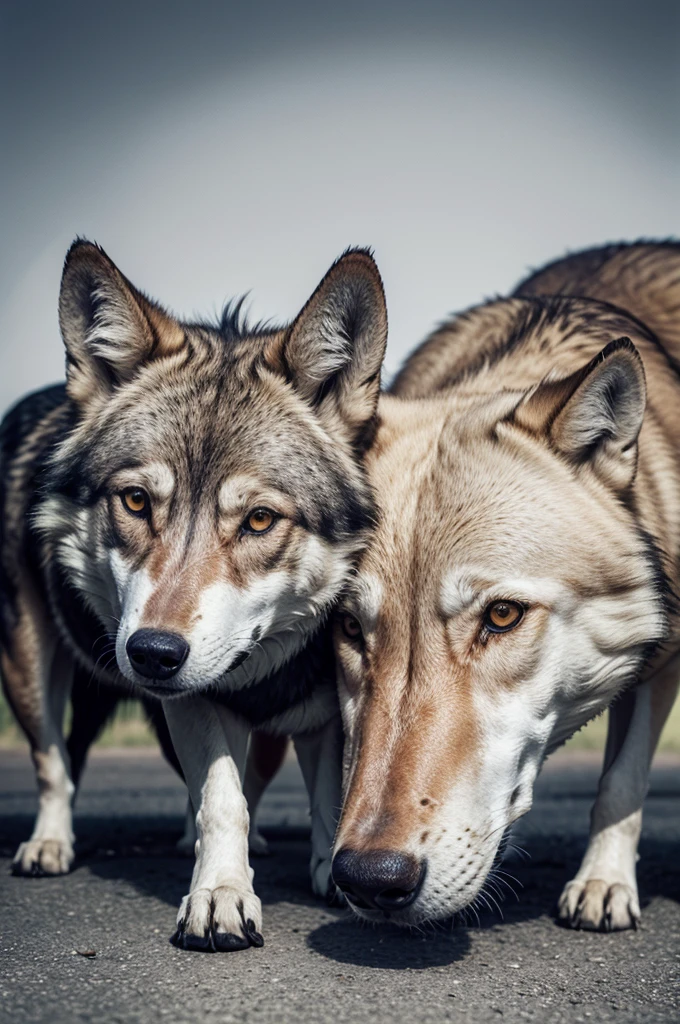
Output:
(642, 278)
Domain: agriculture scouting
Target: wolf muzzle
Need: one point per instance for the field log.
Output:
(378, 879)
(155, 654)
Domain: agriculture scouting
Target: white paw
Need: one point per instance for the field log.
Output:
(222, 919)
(257, 844)
(597, 905)
(43, 857)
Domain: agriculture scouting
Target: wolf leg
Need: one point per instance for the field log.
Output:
(603, 895)
(265, 756)
(93, 705)
(38, 679)
(320, 757)
(156, 716)
(186, 844)
(221, 912)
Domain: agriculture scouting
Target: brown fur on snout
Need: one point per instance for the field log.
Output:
(401, 777)
(178, 581)
(180, 572)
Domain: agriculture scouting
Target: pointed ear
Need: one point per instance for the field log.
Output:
(334, 350)
(595, 415)
(108, 327)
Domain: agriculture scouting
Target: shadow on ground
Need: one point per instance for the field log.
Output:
(130, 822)
(141, 853)
(349, 941)
(538, 882)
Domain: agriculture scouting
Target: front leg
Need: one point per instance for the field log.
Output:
(38, 678)
(221, 912)
(603, 896)
(320, 757)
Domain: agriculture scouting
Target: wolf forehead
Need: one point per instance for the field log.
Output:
(500, 501)
(199, 423)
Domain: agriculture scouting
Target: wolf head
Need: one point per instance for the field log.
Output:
(506, 596)
(210, 497)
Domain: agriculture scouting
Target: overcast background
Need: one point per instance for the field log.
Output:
(214, 148)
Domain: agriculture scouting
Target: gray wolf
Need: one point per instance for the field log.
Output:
(177, 521)
(522, 578)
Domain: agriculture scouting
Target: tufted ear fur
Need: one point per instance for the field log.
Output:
(334, 350)
(108, 327)
(593, 416)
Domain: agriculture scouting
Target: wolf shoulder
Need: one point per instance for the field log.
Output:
(23, 425)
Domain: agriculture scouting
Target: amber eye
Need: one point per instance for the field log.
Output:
(501, 616)
(136, 501)
(259, 521)
(351, 627)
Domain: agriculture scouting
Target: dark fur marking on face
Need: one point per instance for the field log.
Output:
(661, 583)
(85, 628)
(293, 684)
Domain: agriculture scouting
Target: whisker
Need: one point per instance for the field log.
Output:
(507, 874)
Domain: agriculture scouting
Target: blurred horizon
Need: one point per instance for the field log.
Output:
(215, 149)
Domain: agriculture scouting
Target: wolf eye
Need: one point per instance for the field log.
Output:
(501, 616)
(136, 501)
(351, 627)
(259, 521)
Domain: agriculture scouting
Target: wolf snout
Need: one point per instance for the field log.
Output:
(378, 879)
(156, 654)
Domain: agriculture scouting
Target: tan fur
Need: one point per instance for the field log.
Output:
(480, 478)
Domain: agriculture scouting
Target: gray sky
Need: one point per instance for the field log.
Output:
(214, 149)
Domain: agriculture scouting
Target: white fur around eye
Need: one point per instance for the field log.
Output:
(160, 480)
(457, 592)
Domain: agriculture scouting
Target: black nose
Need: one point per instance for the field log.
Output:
(382, 879)
(155, 654)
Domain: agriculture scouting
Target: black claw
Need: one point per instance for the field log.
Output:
(218, 942)
(252, 934)
(198, 943)
(228, 942)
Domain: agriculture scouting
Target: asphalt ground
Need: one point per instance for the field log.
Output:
(318, 964)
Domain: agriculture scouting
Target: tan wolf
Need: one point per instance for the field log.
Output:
(177, 522)
(522, 578)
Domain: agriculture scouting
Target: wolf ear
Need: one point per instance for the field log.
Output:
(595, 415)
(334, 350)
(108, 327)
